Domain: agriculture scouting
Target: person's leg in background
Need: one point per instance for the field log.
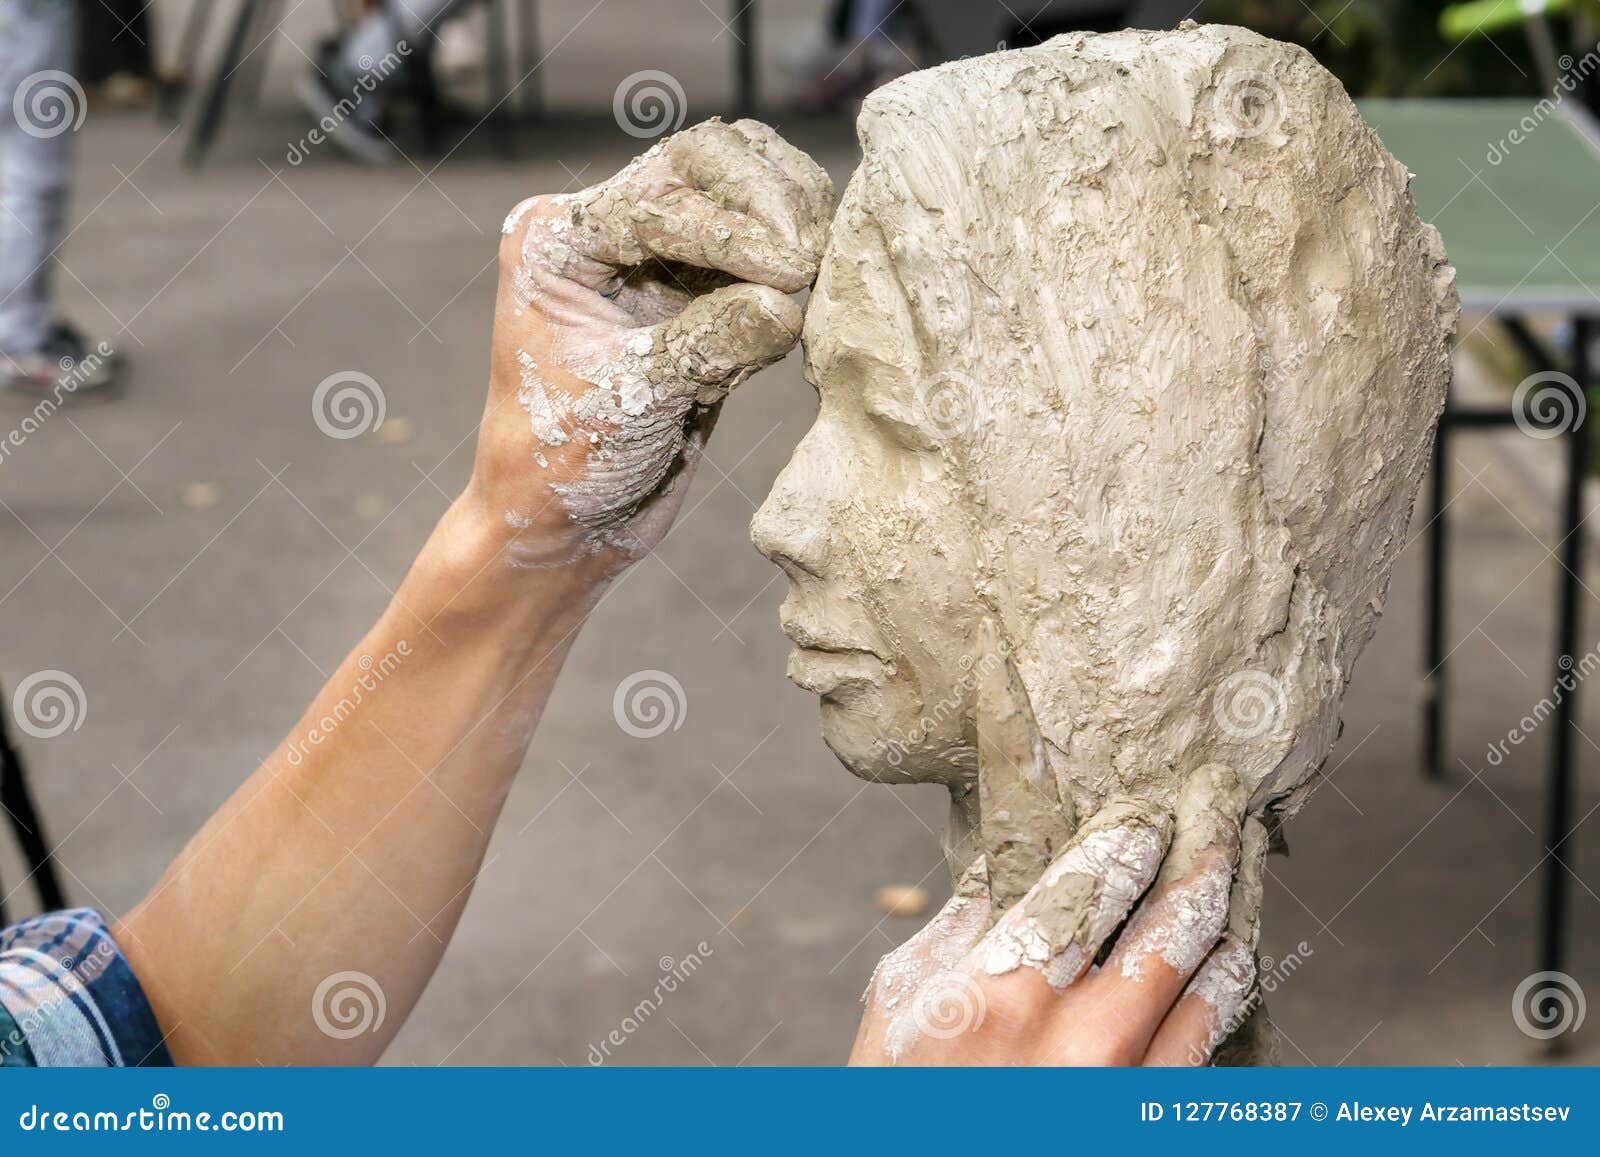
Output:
(38, 348)
(866, 43)
(392, 34)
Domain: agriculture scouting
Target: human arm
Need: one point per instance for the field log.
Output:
(620, 324)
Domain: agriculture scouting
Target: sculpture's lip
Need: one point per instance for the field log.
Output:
(807, 639)
(826, 672)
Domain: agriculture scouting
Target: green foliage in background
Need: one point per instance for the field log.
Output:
(1394, 48)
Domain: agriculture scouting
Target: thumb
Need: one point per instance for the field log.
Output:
(720, 339)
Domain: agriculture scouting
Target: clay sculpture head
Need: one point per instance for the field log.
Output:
(1129, 350)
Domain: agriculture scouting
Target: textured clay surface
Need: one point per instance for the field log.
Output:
(1131, 345)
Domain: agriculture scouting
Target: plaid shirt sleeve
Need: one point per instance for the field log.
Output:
(69, 999)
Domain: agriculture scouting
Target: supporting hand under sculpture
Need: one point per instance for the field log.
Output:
(1027, 991)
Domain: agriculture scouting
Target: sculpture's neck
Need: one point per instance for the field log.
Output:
(960, 840)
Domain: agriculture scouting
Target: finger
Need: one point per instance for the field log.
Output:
(1184, 915)
(1023, 821)
(1059, 926)
(723, 162)
(800, 168)
(1219, 997)
(890, 1024)
(720, 339)
(623, 225)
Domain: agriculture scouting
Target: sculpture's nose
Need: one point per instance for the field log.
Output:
(791, 528)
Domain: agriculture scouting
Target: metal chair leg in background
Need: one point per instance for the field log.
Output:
(17, 802)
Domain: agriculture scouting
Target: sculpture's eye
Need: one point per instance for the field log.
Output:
(899, 421)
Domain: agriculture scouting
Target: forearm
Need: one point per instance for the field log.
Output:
(354, 846)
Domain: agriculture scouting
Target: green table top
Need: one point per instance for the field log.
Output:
(1513, 188)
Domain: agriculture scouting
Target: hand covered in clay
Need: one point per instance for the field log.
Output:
(1027, 991)
(626, 312)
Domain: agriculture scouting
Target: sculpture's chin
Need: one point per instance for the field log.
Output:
(865, 733)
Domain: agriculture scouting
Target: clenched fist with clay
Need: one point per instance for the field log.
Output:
(626, 313)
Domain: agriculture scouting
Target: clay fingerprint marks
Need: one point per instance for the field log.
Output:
(1187, 911)
(1059, 926)
(1224, 988)
(734, 198)
(695, 246)
(1023, 822)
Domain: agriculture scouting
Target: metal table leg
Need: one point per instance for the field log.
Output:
(194, 34)
(744, 63)
(1433, 687)
(530, 67)
(216, 97)
(1558, 802)
(18, 804)
(497, 53)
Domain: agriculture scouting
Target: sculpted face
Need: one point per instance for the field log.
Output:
(880, 560)
(1142, 389)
